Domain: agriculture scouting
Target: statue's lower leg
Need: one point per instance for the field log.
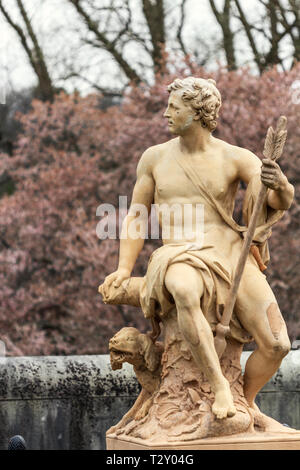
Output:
(197, 333)
(260, 367)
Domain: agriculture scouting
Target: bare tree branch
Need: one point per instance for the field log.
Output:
(276, 18)
(108, 45)
(34, 54)
(103, 90)
(41, 69)
(155, 17)
(19, 31)
(293, 29)
(181, 25)
(248, 31)
(223, 18)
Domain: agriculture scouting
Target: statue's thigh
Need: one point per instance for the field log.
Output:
(184, 281)
(257, 309)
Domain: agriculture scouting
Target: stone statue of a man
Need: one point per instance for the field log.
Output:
(196, 168)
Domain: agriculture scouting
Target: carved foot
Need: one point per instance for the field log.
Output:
(223, 406)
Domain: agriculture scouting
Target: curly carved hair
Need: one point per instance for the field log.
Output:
(204, 97)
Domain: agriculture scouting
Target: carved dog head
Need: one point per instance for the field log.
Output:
(129, 345)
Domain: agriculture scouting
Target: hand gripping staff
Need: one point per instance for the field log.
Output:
(273, 148)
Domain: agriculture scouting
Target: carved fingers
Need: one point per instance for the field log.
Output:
(114, 279)
(271, 174)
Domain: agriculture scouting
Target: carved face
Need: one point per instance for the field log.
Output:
(123, 347)
(179, 113)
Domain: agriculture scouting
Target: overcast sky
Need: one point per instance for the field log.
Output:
(50, 16)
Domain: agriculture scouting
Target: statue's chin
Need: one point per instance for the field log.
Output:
(179, 130)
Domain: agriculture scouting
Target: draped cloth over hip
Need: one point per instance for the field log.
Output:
(216, 268)
(216, 274)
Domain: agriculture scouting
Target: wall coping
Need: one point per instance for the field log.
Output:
(45, 377)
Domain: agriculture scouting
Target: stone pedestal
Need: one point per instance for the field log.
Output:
(267, 441)
(180, 415)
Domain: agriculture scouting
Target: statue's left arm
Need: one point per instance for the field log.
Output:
(281, 194)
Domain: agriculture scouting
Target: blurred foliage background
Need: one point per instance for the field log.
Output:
(96, 73)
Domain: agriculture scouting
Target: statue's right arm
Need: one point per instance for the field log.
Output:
(143, 193)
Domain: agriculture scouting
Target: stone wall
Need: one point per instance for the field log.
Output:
(68, 402)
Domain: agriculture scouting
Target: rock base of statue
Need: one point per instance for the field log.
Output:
(180, 413)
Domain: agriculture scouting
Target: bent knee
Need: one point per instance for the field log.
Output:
(184, 288)
(186, 296)
(277, 349)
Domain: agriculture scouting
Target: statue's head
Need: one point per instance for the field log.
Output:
(193, 99)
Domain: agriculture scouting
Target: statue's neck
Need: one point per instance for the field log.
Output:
(195, 139)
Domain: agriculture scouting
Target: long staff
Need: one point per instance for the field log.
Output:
(273, 148)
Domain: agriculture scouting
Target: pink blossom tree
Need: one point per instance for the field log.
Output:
(73, 156)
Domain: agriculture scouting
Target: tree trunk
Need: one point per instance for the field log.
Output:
(223, 19)
(155, 17)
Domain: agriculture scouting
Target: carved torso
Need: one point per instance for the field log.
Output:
(218, 173)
